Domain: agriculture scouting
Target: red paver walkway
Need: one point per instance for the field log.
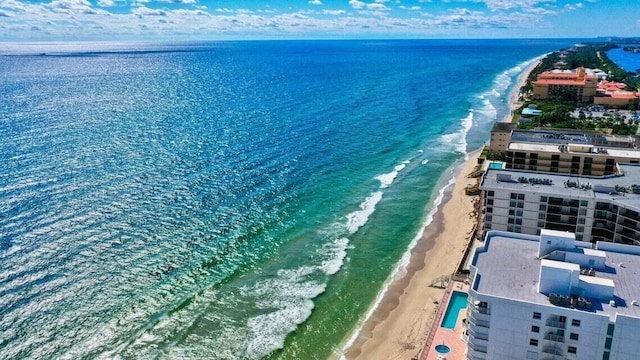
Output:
(449, 337)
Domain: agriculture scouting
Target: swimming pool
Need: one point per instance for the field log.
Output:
(495, 165)
(457, 302)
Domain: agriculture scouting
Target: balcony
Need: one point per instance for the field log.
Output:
(552, 350)
(556, 324)
(472, 317)
(554, 337)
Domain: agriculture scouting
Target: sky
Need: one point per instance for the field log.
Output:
(69, 20)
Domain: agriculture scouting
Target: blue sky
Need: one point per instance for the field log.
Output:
(42, 20)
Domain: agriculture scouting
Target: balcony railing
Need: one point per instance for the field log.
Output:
(556, 324)
(554, 338)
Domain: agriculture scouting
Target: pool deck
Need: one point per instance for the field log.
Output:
(443, 336)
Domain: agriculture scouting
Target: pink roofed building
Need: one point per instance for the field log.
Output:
(577, 85)
(615, 94)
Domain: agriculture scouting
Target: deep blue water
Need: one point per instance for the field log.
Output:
(225, 200)
(626, 60)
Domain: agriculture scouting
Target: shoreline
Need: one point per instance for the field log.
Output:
(396, 327)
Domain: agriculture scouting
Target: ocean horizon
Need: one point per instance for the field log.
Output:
(227, 200)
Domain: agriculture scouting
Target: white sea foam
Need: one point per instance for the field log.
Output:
(357, 219)
(459, 139)
(290, 292)
(488, 109)
(337, 253)
(387, 179)
(401, 266)
(424, 162)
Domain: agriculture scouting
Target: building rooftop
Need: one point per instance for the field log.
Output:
(508, 266)
(553, 137)
(571, 149)
(565, 185)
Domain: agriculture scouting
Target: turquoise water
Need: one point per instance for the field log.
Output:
(442, 349)
(226, 200)
(495, 165)
(457, 302)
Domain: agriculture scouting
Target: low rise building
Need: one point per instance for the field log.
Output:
(550, 297)
(500, 136)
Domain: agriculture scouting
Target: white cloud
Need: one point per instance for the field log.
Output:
(177, 1)
(106, 3)
(315, 2)
(356, 4)
(334, 12)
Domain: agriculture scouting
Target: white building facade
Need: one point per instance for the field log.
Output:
(550, 297)
(605, 208)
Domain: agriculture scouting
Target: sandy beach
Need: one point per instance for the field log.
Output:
(398, 327)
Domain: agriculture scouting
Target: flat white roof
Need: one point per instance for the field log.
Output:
(508, 267)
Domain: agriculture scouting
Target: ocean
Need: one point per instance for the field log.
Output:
(226, 200)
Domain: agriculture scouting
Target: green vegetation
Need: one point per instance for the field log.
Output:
(556, 111)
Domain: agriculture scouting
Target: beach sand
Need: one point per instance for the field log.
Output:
(398, 327)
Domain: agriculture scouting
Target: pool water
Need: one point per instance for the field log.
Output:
(442, 349)
(495, 165)
(457, 302)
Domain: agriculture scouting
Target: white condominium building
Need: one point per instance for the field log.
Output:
(605, 208)
(550, 297)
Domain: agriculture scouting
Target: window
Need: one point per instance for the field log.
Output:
(490, 202)
(520, 196)
(490, 193)
(512, 212)
(543, 207)
(521, 204)
(575, 322)
(537, 315)
(510, 220)
(489, 218)
(572, 350)
(582, 212)
(514, 196)
(519, 213)
(543, 199)
(518, 221)
(512, 203)
(541, 224)
(541, 216)
(584, 202)
(574, 336)
(535, 329)
(534, 342)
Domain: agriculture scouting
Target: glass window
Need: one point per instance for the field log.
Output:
(543, 199)
(543, 207)
(572, 350)
(541, 224)
(574, 336)
(584, 202)
(533, 342)
(535, 329)
(537, 315)
(490, 193)
(489, 201)
(520, 196)
(518, 212)
(583, 212)
(514, 196)
(512, 203)
(575, 322)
